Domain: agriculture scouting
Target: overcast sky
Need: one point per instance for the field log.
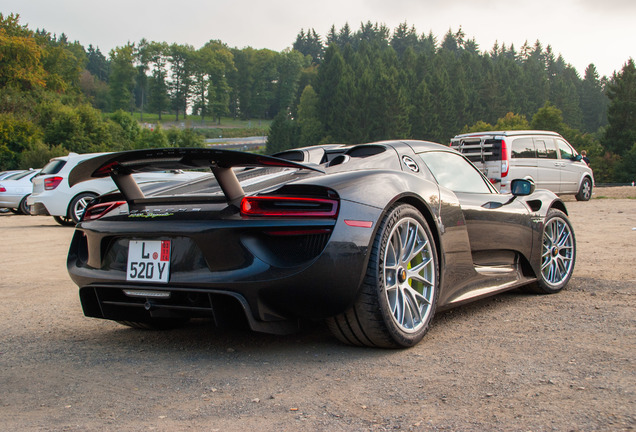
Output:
(583, 31)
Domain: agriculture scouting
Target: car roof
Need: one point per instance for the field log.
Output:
(509, 133)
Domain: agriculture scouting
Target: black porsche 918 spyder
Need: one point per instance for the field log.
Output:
(373, 238)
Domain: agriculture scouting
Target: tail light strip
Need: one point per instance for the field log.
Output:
(281, 206)
(99, 210)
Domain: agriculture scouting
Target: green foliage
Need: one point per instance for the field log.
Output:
(16, 136)
(366, 84)
(620, 135)
(38, 154)
(184, 138)
(283, 134)
(20, 57)
(549, 118)
(308, 118)
(122, 78)
(512, 121)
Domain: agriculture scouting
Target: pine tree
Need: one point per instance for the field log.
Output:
(620, 135)
(593, 101)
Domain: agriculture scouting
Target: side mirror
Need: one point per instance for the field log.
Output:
(576, 158)
(521, 187)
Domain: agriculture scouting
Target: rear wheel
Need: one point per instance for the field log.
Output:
(558, 253)
(64, 221)
(585, 191)
(78, 205)
(399, 293)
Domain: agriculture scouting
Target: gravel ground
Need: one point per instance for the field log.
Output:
(512, 362)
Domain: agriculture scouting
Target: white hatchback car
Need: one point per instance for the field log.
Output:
(52, 195)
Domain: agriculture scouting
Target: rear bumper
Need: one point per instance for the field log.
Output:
(38, 209)
(274, 280)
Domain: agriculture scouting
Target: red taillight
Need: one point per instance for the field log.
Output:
(274, 206)
(2, 189)
(505, 165)
(51, 183)
(99, 210)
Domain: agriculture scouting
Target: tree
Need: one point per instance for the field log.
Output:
(310, 44)
(311, 129)
(181, 65)
(158, 99)
(620, 134)
(548, 118)
(219, 63)
(282, 134)
(593, 101)
(512, 121)
(20, 56)
(97, 64)
(122, 78)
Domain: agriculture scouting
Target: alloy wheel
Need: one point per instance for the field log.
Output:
(409, 275)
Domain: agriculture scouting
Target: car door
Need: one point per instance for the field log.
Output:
(571, 170)
(496, 223)
(548, 165)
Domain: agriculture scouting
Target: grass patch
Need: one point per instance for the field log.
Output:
(194, 121)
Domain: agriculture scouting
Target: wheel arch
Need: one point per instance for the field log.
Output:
(427, 213)
(559, 205)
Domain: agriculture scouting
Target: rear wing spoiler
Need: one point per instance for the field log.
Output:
(121, 165)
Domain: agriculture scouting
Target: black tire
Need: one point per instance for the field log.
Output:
(393, 309)
(24, 208)
(585, 191)
(156, 324)
(558, 254)
(78, 205)
(64, 221)
(14, 210)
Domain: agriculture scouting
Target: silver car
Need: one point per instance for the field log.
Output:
(15, 189)
(544, 157)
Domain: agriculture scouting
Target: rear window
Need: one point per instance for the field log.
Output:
(53, 167)
(479, 148)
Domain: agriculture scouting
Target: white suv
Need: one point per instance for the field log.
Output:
(541, 156)
(52, 195)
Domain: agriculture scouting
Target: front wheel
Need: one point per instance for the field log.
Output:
(585, 191)
(399, 294)
(558, 253)
(23, 207)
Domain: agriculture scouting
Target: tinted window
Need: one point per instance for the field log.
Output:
(566, 151)
(20, 175)
(523, 148)
(14, 176)
(53, 167)
(455, 173)
(545, 148)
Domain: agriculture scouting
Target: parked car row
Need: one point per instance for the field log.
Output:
(54, 196)
(542, 157)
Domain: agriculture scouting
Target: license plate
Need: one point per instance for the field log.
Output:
(148, 261)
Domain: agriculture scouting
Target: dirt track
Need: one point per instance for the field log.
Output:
(512, 362)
